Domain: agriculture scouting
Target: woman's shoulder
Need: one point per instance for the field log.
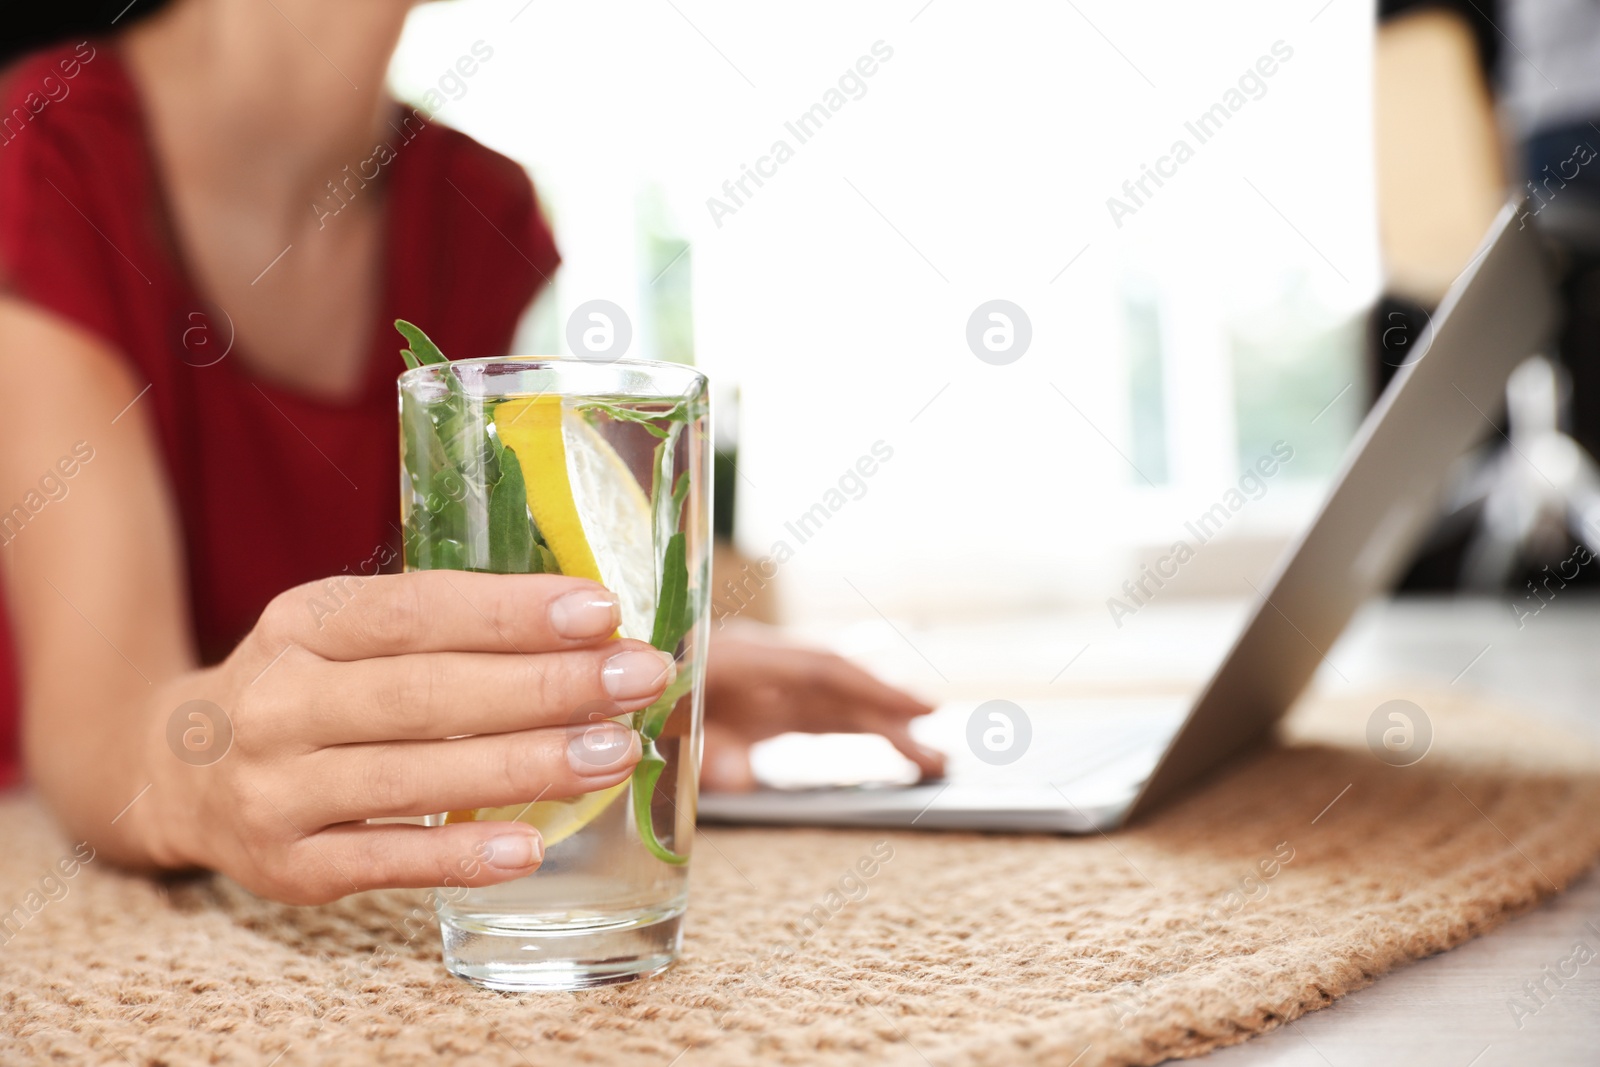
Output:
(466, 159)
(68, 119)
(475, 207)
(66, 92)
(70, 180)
(475, 175)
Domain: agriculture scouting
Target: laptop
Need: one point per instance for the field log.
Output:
(1094, 765)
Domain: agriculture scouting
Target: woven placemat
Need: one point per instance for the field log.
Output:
(1300, 875)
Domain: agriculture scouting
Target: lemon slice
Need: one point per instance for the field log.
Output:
(556, 820)
(596, 520)
(587, 504)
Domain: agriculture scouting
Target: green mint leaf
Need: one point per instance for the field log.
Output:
(436, 512)
(422, 348)
(678, 412)
(645, 775)
(466, 447)
(412, 362)
(416, 436)
(671, 605)
(653, 719)
(680, 492)
(426, 551)
(510, 530)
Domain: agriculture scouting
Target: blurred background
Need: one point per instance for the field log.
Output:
(976, 165)
(1215, 242)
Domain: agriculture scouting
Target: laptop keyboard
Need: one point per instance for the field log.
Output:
(1075, 747)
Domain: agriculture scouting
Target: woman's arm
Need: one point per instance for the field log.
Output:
(335, 719)
(94, 580)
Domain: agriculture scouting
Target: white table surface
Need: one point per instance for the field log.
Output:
(1451, 1010)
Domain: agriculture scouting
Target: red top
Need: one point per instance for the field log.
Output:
(274, 488)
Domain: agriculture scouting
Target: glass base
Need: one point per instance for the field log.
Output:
(506, 953)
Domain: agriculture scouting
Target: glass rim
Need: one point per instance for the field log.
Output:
(672, 380)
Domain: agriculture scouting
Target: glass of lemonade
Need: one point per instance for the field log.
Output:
(543, 465)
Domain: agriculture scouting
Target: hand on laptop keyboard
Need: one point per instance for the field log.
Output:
(758, 686)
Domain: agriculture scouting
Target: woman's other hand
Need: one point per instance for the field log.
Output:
(758, 686)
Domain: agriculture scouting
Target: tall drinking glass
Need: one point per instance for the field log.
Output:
(535, 465)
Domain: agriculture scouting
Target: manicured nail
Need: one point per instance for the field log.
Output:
(601, 748)
(633, 675)
(585, 614)
(513, 852)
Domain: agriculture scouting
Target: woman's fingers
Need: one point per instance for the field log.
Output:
(756, 689)
(352, 618)
(352, 858)
(448, 694)
(487, 771)
(930, 762)
(725, 767)
(853, 686)
(874, 706)
(411, 694)
(825, 711)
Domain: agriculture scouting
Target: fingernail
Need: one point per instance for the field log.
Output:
(513, 852)
(602, 748)
(632, 675)
(585, 614)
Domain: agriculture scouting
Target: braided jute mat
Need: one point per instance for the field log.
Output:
(1300, 875)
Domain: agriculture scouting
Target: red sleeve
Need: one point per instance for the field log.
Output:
(495, 249)
(67, 162)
